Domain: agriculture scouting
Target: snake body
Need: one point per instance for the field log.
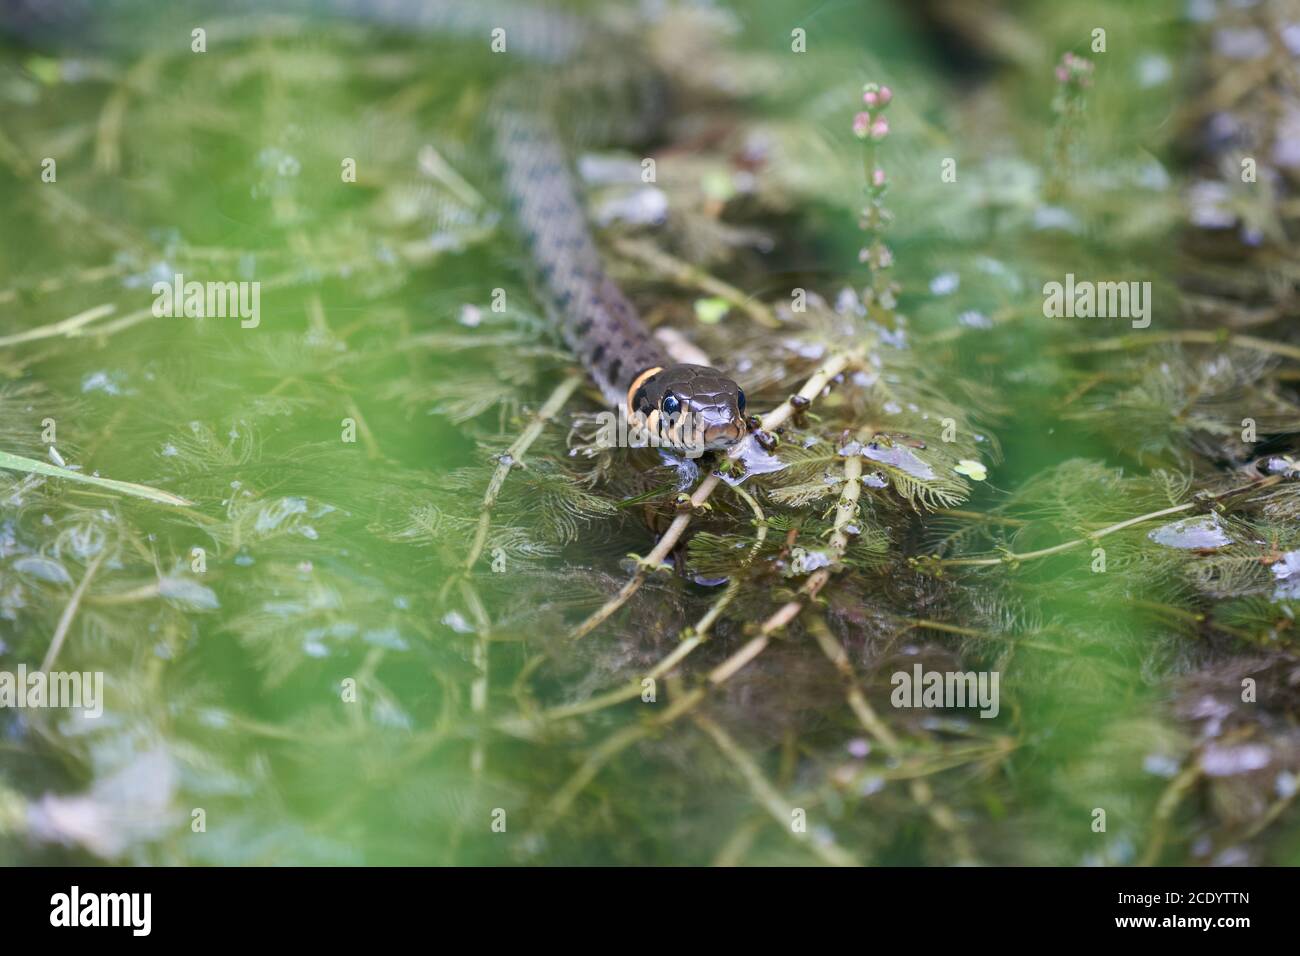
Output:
(692, 407)
(596, 320)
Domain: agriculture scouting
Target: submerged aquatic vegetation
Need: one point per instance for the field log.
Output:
(413, 598)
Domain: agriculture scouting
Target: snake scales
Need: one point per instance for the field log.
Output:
(691, 406)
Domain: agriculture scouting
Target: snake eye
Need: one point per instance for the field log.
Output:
(671, 405)
(740, 400)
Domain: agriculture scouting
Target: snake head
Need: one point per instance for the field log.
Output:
(690, 407)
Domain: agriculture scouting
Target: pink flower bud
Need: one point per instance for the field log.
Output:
(878, 178)
(1074, 69)
(885, 95)
(880, 129)
(861, 125)
(871, 98)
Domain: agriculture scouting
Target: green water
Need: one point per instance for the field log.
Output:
(321, 683)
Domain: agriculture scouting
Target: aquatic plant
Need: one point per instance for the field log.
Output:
(413, 612)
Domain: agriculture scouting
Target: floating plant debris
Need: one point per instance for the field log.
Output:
(1203, 531)
(1287, 574)
(756, 459)
(899, 456)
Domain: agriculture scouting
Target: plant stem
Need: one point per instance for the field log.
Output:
(692, 277)
(70, 611)
(769, 798)
(879, 730)
(1165, 807)
(1012, 558)
(69, 326)
(514, 456)
(34, 467)
(1190, 336)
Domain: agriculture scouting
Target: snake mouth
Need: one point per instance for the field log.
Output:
(695, 432)
(724, 435)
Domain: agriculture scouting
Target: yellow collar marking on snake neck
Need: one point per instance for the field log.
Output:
(637, 383)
